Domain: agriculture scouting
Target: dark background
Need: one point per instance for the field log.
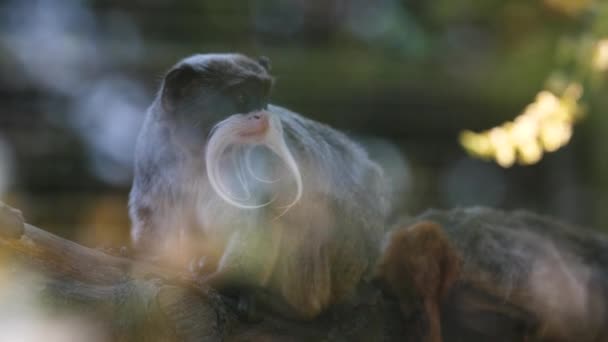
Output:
(407, 76)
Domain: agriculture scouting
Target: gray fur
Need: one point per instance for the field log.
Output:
(312, 256)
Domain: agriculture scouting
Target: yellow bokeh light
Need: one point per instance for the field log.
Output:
(500, 141)
(477, 144)
(600, 55)
(529, 152)
(554, 135)
(544, 126)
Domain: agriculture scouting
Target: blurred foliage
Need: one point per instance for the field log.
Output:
(547, 123)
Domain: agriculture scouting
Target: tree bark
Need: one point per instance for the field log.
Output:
(522, 277)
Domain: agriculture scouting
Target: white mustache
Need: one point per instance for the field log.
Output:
(261, 128)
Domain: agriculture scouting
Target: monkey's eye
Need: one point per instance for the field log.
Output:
(247, 100)
(244, 102)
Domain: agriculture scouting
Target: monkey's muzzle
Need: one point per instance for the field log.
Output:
(244, 132)
(254, 125)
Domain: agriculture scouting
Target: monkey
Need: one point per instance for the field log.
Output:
(419, 261)
(270, 199)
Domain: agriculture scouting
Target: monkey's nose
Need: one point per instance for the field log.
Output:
(255, 124)
(257, 116)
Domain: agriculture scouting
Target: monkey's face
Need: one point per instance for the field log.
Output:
(230, 170)
(216, 104)
(202, 90)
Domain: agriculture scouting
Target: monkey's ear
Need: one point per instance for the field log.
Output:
(264, 62)
(176, 85)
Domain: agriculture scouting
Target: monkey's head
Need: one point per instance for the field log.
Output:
(201, 90)
(218, 105)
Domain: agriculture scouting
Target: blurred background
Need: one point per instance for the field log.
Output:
(407, 77)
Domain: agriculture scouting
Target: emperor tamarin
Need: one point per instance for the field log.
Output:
(269, 198)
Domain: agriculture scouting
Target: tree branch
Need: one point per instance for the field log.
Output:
(521, 276)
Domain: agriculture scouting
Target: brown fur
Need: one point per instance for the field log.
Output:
(419, 262)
